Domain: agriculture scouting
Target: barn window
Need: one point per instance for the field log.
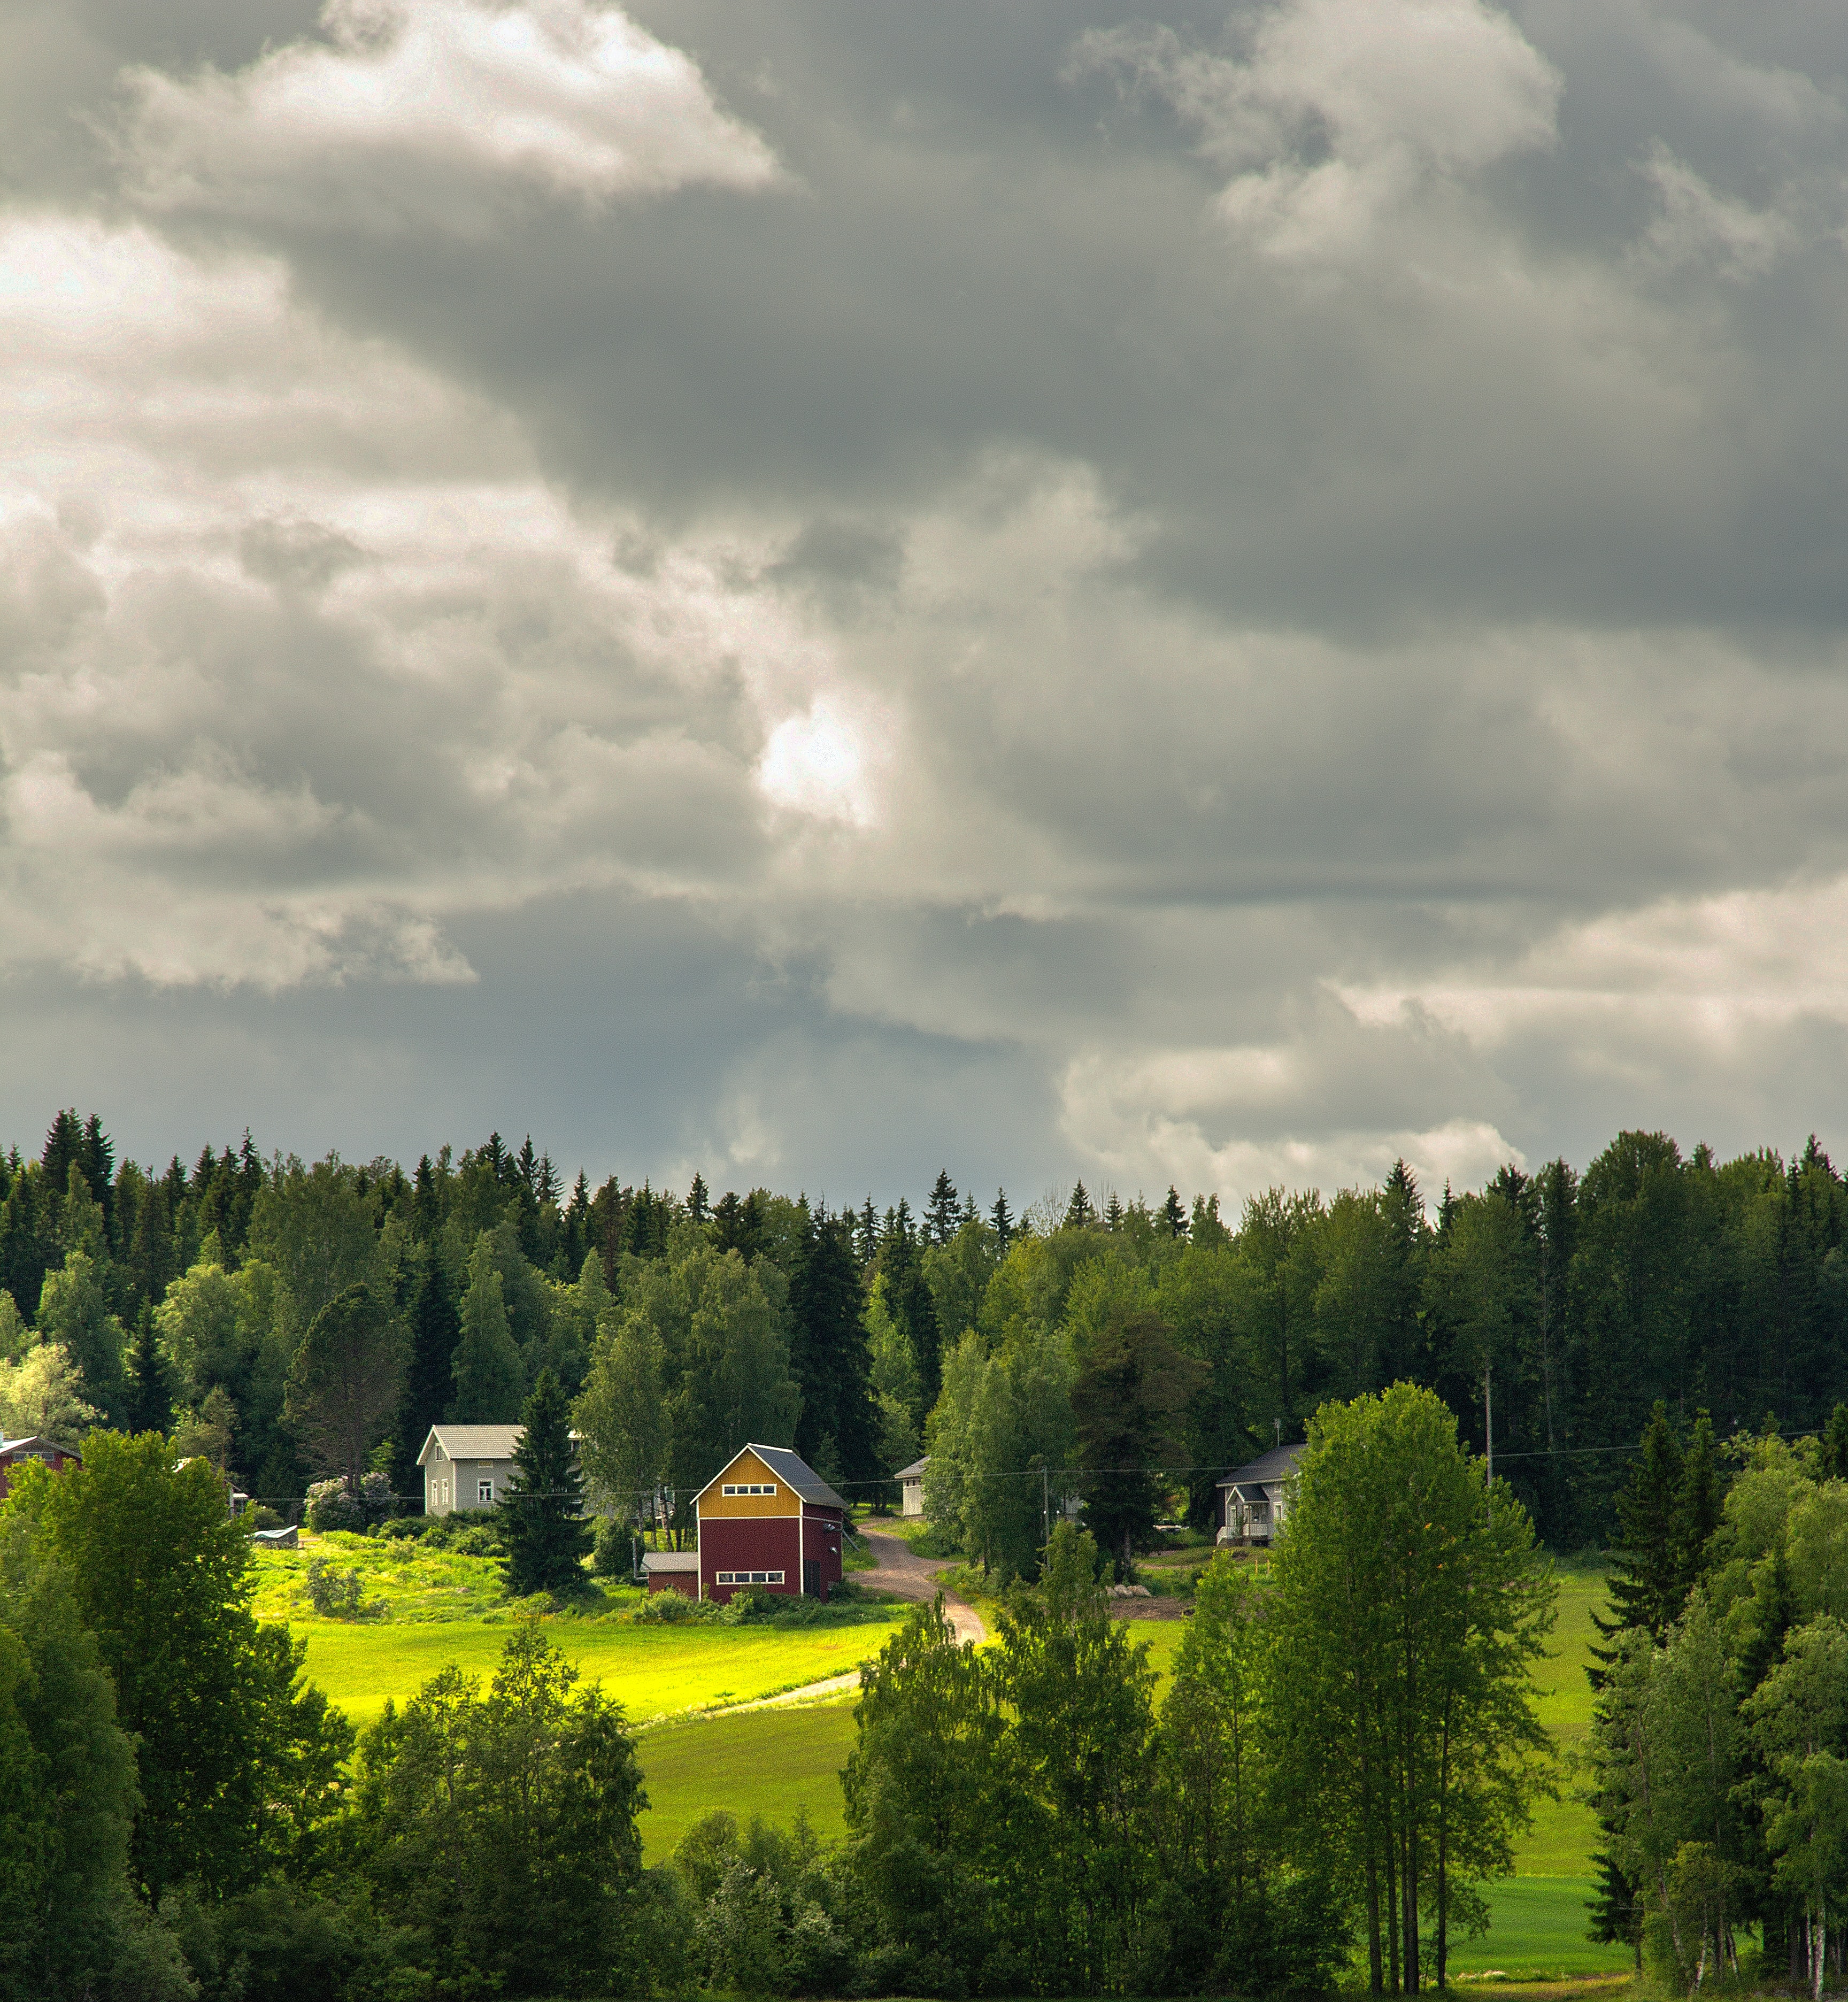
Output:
(750, 1487)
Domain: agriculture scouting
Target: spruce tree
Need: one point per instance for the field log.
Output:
(434, 1328)
(830, 1355)
(940, 1216)
(1698, 1508)
(1078, 1211)
(1001, 1222)
(486, 1363)
(1831, 1461)
(1173, 1214)
(150, 1404)
(1648, 1585)
(542, 1525)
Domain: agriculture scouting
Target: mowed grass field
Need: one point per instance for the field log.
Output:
(437, 1607)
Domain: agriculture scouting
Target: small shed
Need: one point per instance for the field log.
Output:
(278, 1539)
(1254, 1499)
(672, 1570)
(911, 1487)
(466, 1466)
(768, 1519)
(35, 1446)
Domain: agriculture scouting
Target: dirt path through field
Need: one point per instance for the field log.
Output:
(902, 1571)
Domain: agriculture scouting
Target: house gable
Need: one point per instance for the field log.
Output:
(747, 1486)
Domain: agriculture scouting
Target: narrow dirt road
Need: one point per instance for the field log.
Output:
(901, 1571)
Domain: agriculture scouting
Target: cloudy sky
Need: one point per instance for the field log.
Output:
(822, 590)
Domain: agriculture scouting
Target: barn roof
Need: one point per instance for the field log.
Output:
(473, 1442)
(1278, 1464)
(670, 1560)
(790, 1468)
(914, 1472)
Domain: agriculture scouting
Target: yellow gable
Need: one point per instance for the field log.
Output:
(748, 1487)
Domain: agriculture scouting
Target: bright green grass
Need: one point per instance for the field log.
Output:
(651, 1671)
(1537, 1927)
(404, 1580)
(1565, 1832)
(771, 1762)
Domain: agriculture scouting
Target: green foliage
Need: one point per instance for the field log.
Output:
(74, 1315)
(1127, 1401)
(500, 1829)
(543, 1528)
(344, 1381)
(488, 1377)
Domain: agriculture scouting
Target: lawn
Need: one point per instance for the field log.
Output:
(1538, 1929)
(771, 1762)
(1565, 1832)
(651, 1671)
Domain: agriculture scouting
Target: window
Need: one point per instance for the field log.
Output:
(750, 1578)
(484, 1491)
(750, 1487)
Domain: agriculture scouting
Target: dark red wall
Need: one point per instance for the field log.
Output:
(749, 1542)
(675, 1581)
(824, 1540)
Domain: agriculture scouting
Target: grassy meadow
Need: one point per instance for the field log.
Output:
(435, 1607)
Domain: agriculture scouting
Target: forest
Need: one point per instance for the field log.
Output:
(180, 1298)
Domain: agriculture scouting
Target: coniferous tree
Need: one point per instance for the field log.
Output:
(346, 1381)
(1078, 1211)
(434, 1329)
(1831, 1459)
(1002, 1222)
(1173, 1214)
(543, 1526)
(486, 1364)
(149, 1407)
(940, 1216)
(830, 1355)
(698, 1202)
(1648, 1581)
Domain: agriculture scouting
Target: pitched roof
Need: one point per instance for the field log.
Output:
(914, 1472)
(40, 1440)
(670, 1560)
(1278, 1464)
(473, 1442)
(790, 1468)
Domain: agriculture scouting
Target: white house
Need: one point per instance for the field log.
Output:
(466, 1466)
(911, 1487)
(1254, 1499)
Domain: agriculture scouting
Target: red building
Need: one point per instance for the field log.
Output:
(769, 1519)
(13, 1451)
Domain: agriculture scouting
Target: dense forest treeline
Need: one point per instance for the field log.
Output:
(181, 1298)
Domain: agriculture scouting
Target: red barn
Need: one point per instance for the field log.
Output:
(35, 1447)
(769, 1519)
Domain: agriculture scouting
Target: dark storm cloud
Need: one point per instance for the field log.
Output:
(1213, 596)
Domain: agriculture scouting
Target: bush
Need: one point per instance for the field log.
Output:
(670, 1608)
(335, 1595)
(406, 1528)
(259, 1517)
(612, 1549)
(331, 1507)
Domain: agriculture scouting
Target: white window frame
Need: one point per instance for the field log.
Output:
(484, 1492)
(749, 1577)
(750, 1487)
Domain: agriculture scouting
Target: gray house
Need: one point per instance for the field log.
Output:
(466, 1466)
(1254, 1499)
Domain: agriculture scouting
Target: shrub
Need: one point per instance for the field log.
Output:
(612, 1550)
(259, 1517)
(406, 1528)
(335, 1595)
(331, 1505)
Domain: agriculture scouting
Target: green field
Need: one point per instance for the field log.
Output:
(768, 1762)
(1538, 1929)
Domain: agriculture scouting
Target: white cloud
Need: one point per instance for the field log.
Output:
(1695, 226)
(436, 115)
(821, 762)
(1343, 110)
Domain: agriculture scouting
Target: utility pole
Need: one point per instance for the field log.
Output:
(1046, 1499)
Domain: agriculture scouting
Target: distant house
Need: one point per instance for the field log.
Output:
(911, 1487)
(767, 1518)
(466, 1466)
(672, 1570)
(1254, 1499)
(35, 1446)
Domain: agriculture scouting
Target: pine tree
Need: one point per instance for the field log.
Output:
(486, 1363)
(1647, 1581)
(939, 1217)
(1001, 1222)
(1174, 1214)
(1113, 1213)
(1698, 1511)
(435, 1328)
(541, 1517)
(1078, 1211)
(150, 1405)
(1831, 1459)
(830, 1356)
(867, 1234)
(698, 1203)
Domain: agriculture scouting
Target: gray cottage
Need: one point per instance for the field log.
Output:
(1254, 1499)
(466, 1466)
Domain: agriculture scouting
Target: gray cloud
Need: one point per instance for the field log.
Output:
(863, 586)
